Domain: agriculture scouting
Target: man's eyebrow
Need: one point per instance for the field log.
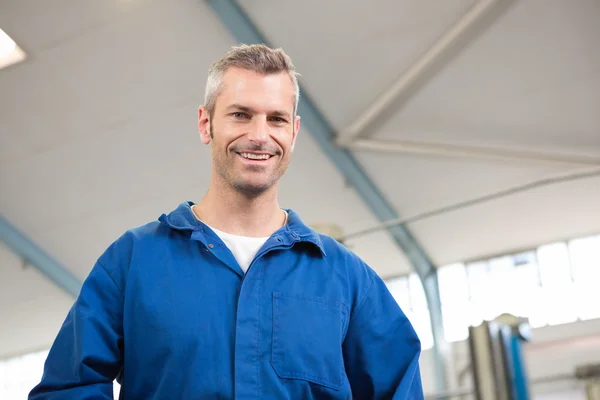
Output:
(282, 114)
(239, 107)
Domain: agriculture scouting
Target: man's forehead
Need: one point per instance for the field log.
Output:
(253, 90)
(241, 78)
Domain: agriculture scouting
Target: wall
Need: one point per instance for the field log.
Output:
(554, 351)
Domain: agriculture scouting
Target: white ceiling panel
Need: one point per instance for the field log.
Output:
(96, 174)
(531, 80)
(416, 184)
(42, 25)
(156, 57)
(426, 184)
(522, 221)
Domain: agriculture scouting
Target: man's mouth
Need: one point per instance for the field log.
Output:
(255, 156)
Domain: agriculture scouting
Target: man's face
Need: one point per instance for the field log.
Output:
(252, 131)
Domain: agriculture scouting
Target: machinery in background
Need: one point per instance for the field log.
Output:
(497, 359)
(498, 368)
(590, 375)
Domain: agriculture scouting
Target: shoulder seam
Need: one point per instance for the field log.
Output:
(111, 277)
(364, 297)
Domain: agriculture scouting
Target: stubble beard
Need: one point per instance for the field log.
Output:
(224, 166)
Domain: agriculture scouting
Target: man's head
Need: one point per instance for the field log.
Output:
(249, 117)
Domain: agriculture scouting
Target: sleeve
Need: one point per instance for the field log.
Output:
(381, 349)
(87, 353)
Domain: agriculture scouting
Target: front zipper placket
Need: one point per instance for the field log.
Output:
(247, 333)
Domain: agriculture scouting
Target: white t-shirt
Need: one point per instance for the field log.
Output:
(244, 248)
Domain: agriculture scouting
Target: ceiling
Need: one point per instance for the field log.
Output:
(98, 130)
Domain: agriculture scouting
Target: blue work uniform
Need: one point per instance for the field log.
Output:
(168, 312)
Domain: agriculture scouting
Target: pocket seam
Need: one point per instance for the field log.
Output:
(336, 306)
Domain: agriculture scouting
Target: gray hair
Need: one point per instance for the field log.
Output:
(258, 58)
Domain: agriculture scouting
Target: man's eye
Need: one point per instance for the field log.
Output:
(277, 120)
(239, 115)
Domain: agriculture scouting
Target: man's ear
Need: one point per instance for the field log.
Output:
(204, 125)
(295, 133)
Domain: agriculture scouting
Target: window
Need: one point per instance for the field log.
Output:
(456, 323)
(585, 257)
(553, 284)
(409, 294)
(585, 260)
(422, 324)
(399, 289)
(555, 268)
(19, 375)
(558, 296)
(419, 314)
(527, 300)
(454, 295)
(418, 300)
(481, 291)
(454, 286)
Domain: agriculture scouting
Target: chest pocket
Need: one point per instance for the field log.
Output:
(307, 339)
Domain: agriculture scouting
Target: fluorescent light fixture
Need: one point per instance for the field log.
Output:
(10, 53)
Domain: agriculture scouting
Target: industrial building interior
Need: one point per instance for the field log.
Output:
(453, 145)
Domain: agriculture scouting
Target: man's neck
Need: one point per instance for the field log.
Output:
(240, 215)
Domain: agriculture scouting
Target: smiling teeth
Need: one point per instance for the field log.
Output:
(256, 156)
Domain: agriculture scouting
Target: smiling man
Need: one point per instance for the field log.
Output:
(235, 297)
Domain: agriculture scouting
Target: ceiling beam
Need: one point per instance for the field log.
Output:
(244, 31)
(34, 255)
(447, 46)
(500, 154)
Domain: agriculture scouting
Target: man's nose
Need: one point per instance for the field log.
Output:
(259, 130)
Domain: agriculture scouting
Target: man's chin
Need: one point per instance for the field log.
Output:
(251, 189)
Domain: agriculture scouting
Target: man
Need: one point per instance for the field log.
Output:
(235, 297)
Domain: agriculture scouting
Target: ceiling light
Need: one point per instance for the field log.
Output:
(10, 53)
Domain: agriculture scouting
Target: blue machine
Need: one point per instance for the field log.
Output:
(497, 360)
